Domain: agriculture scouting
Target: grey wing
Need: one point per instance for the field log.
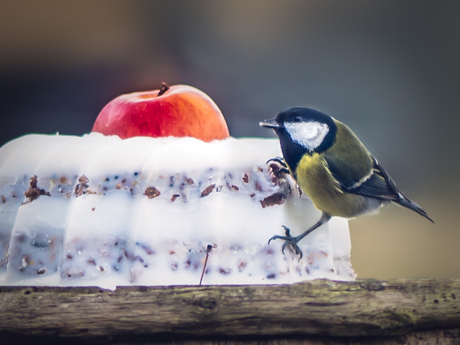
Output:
(381, 186)
(367, 180)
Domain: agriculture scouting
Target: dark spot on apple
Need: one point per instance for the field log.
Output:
(271, 276)
(246, 178)
(235, 187)
(41, 271)
(91, 262)
(116, 177)
(107, 179)
(136, 173)
(174, 197)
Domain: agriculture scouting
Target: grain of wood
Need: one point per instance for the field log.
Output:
(315, 308)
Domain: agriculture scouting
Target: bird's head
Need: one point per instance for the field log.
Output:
(310, 129)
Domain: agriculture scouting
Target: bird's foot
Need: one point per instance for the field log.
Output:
(277, 168)
(278, 160)
(288, 240)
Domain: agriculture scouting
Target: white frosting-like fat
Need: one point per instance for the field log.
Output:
(142, 211)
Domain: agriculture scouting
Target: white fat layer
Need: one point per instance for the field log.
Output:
(110, 233)
(308, 134)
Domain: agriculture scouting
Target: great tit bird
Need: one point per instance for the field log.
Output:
(332, 166)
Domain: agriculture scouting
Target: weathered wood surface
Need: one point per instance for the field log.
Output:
(315, 308)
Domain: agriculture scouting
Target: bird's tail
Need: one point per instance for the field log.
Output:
(412, 205)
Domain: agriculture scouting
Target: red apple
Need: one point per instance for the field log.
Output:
(179, 111)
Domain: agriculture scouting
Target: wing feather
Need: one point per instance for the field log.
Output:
(374, 183)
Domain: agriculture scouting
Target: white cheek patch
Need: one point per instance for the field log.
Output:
(308, 134)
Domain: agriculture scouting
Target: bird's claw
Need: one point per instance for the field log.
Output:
(288, 240)
(277, 168)
(279, 160)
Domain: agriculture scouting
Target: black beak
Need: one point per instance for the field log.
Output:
(270, 124)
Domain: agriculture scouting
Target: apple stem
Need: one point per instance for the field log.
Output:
(164, 88)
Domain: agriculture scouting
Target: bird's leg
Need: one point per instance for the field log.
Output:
(289, 240)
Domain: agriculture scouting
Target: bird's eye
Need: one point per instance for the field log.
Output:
(297, 119)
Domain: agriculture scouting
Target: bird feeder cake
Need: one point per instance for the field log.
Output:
(101, 210)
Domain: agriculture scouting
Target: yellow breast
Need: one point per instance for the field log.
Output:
(315, 180)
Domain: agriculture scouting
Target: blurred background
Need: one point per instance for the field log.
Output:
(388, 69)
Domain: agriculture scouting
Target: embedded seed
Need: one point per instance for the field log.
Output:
(208, 190)
(152, 192)
(242, 265)
(274, 199)
(225, 271)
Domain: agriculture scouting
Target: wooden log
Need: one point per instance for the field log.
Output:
(365, 308)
